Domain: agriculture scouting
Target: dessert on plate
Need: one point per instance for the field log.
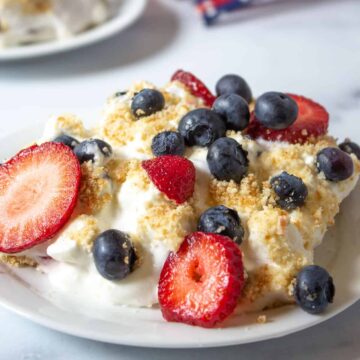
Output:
(206, 205)
(25, 22)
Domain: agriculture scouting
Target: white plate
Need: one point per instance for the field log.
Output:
(129, 11)
(26, 292)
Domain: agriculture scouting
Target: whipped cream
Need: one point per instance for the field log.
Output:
(132, 206)
(74, 271)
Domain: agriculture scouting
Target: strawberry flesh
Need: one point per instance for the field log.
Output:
(38, 191)
(312, 122)
(173, 175)
(195, 86)
(201, 283)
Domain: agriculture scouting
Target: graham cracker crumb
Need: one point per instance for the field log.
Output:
(70, 124)
(271, 233)
(136, 172)
(117, 170)
(291, 287)
(18, 261)
(243, 197)
(261, 319)
(95, 188)
(83, 231)
(169, 222)
(258, 282)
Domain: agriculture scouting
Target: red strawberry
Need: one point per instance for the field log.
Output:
(38, 191)
(173, 175)
(201, 283)
(195, 86)
(312, 121)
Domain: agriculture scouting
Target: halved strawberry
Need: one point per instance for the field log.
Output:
(201, 283)
(173, 175)
(195, 86)
(312, 121)
(38, 191)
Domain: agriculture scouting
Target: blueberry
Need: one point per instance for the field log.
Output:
(114, 255)
(147, 102)
(350, 148)
(201, 127)
(227, 160)
(290, 190)
(336, 164)
(276, 110)
(92, 150)
(233, 84)
(168, 143)
(222, 220)
(66, 140)
(234, 109)
(314, 289)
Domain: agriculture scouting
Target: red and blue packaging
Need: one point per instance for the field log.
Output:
(212, 9)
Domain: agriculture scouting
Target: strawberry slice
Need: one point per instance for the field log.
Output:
(173, 175)
(201, 283)
(195, 86)
(38, 191)
(312, 121)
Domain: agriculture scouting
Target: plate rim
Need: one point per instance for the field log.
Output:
(114, 25)
(87, 333)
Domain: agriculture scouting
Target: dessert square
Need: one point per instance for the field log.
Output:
(203, 204)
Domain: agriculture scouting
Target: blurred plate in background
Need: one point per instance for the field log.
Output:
(129, 12)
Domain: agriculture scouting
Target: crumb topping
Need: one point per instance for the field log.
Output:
(18, 261)
(168, 222)
(243, 197)
(261, 319)
(83, 231)
(71, 124)
(95, 189)
(118, 170)
(121, 127)
(65, 124)
(257, 284)
(136, 172)
(269, 226)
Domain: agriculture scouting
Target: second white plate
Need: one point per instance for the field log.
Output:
(129, 11)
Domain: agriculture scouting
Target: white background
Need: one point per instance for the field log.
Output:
(308, 47)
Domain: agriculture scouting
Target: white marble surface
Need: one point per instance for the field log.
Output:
(310, 47)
